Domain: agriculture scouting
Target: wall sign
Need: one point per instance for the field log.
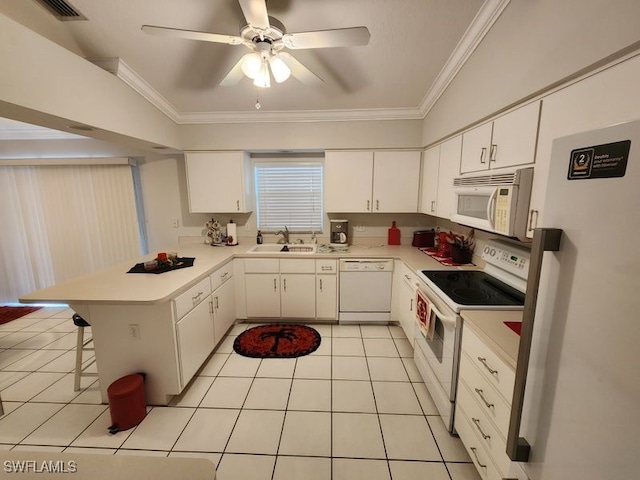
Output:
(600, 161)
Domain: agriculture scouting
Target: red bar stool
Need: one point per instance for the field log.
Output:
(81, 347)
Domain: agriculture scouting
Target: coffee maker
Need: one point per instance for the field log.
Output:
(339, 232)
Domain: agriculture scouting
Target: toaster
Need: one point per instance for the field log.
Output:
(423, 238)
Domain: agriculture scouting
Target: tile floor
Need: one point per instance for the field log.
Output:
(354, 409)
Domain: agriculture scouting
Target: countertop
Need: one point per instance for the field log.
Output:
(114, 286)
(490, 327)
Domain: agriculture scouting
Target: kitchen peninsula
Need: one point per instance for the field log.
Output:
(161, 324)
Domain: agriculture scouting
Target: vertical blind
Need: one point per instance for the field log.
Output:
(289, 194)
(59, 222)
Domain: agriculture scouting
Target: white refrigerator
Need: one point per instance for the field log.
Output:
(576, 410)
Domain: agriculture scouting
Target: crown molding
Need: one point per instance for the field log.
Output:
(480, 26)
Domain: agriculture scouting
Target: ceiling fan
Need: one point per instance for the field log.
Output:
(267, 38)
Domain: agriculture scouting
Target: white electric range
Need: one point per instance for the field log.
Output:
(442, 294)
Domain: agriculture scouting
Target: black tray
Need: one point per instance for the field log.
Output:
(183, 262)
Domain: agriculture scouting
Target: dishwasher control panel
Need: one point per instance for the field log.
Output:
(366, 265)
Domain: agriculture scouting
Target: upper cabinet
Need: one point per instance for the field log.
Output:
(441, 164)
(430, 168)
(508, 141)
(367, 181)
(219, 182)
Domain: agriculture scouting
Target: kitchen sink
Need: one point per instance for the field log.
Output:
(280, 248)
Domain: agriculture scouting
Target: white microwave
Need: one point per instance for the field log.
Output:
(497, 203)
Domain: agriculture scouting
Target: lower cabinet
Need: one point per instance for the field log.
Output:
(403, 300)
(298, 296)
(196, 339)
(327, 297)
(224, 309)
(263, 295)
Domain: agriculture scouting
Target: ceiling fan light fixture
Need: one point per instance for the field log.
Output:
(251, 65)
(263, 79)
(279, 69)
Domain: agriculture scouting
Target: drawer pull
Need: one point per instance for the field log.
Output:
(477, 422)
(480, 394)
(224, 275)
(484, 362)
(196, 298)
(475, 454)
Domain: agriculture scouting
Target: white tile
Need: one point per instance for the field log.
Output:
(277, 367)
(142, 453)
(323, 330)
(160, 429)
(47, 324)
(214, 364)
(375, 331)
(318, 367)
(313, 395)
(350, 368)
(380, 347)
(10, 356)
(214, 457)
(97, 435)
(387, 369)
(226, 345)
(90, 395)
(9, 378)
(351, 347)
(396, 397)
(404, 347)
(307, 468)
(35, 360)
(256, 431)
(19, 324)
(346, 331)
(194, 393)
(239, 366)
(451, 447)
(99, 451)
(64, 363)
(62, 390)
(408, 437)
(324, 348)
(357, 435)
(307, 434)
(396, 331)
(227, 392)
(463, 471)
(353, 396)
(268, 394)
(245, 467)
(237, 329)
(413, 470)
(208, 430)
(67, 327)
(22, 421)
(9, 407)
(66, 342)
(31, 385)
(426, 402)
(65, 425)
(412, 370)
(37, 448)
(360, 469)
(41, 340)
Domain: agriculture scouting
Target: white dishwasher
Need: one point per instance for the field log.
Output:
(365, 290)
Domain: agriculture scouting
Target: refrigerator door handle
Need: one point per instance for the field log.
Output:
(544, 240)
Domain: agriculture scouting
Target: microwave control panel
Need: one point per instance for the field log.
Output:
(507, 257)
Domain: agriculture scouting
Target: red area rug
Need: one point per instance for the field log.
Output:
(277, 341)
(11, 313)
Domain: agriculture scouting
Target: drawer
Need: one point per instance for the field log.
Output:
(293, 265)
(327, 266)
(486, 431)
(481, 458)
(500, 411)
(498, 373)
(261, 265)
(192, 297)
(221, 275)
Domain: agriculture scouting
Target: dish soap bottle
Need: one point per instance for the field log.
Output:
(394, 234)
(259, 238)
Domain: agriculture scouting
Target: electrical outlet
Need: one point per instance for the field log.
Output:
(134, 330)
(360, 227)
(176, 222)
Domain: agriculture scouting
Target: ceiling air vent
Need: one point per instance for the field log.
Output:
(61, 10)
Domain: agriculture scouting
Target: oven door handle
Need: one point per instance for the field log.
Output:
(443, 318)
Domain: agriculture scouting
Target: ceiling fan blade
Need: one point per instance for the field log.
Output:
(192, 35)
(255, 13)
(340, 37)
(299, 71)
(234, 75)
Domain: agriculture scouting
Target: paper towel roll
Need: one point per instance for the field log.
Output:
(232, 234)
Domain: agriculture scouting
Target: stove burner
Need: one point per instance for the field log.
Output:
(470, 294)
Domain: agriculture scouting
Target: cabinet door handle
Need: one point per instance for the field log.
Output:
(433, 206)
(217, 303)
(275, 287)
(477, 422)
(475, 454)
(482, 152)
(411, 306)
(368, 205)
(210, 307)
(238, 204)
(320, 284)
(377, 204)
(492, 152)
(483, 361)
(481, 395)
(284, 283)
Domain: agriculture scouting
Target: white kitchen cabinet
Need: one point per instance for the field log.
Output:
(195, 338)
(429, 180)
(403, 299)
(580, 107)
(449, 169)
(366, 181)
(219, 182)
(263, 295)
(223, 300)
(507, 141)
(298, 295)
(327, 297)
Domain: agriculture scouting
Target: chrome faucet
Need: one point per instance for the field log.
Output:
(285, 234)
